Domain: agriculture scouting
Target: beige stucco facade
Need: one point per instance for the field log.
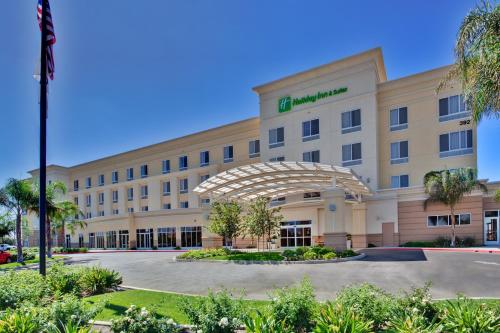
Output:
(389, 216)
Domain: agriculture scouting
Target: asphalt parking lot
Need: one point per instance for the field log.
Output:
(473, 274)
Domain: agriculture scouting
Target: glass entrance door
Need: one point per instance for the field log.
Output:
(295, 233)
(144, 238)
(491, 230)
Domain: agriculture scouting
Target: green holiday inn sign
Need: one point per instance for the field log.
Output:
(286, 103)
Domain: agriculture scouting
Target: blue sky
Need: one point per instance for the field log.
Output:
(133, 73)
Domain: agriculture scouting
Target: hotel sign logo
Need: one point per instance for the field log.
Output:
(286, 103)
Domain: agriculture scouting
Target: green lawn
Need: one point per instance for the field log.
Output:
(256, 256)
(12, 265)
(165, 304)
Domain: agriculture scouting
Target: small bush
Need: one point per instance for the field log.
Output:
(18, 322)
(18, 287)
(329, 256)
(216, 313)
(311, 255)
(140, 320)
(97, 280)
(415, 323)
(417, 301)
(28, 254)
(264, 323)
(347, 253)
(335, 318)
(205, 253)
(463, 315)
(295, 306)
(290, 255)
(71, 311)
(63, 280)
(70, 250)
(301, 250)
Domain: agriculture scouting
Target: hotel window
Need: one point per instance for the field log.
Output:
(400, 181)
(399, 119)
(76, 185)
(130, 209)
(100, 213)
(144, 191)
(130, 194)
(100, 240)
(399, 152)
(167, 206)
(144, 208)
(101, 198)
(204, 158)
(166, 237)
(123, 239)
(445, 220)
(184, 204)
(351, 154)
(166, 188)
(88, 182)
(114, 177)
(351, 121)
(254, 148)
(311, 156)
(312, 195)
(75, 200)
(453, 107)
(91, 240)
(228, 154)
(144, 171)
(278, 201)
(130, 173)
(183, 162)
(115, 196)
(116, 211)
(310, 130)
(183, 185)
(191, 237)
(81, 242)
(276, 137)
(88, 200)
(88, 215)
(101, 180)
(110, 239)
(203, 178)
(205, 201)
(455, 143)
(277, 159)
(165, 166)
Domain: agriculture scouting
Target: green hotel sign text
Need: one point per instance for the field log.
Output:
(286, 103)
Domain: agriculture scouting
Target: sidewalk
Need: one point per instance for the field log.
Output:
(484, 249)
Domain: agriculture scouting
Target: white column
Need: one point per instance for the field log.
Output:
(193, 180)
(174, 193)
(108, 201)
(334, 210)
(137, 197)
(94, 204)
(122, 200)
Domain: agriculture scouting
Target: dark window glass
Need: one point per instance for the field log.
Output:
(403, 149)
(444, 142)
(404, 181)
(443, 106)
(469, 139)
(356, 118)
(403, 115)
(356, 151)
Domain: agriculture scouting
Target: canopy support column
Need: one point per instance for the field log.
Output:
(335, 231)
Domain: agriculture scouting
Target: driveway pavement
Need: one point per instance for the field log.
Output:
(474, 274)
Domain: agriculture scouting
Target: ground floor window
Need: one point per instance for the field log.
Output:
(491, 227)
(68, 241)
(166, 237)
(91, 240)
(81, 242)
(227, 241)
(295, 233)
(144, 238)
(100, 240)
(111, 239)
(191, 237)
(123, 239)
(445, 220)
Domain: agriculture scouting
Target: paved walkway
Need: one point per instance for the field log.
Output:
(474, 274)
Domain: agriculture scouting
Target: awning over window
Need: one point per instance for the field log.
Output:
(277, 179)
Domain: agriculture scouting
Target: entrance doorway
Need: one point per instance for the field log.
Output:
(295, 233)
(388, 234)
(144, 238)
(491, 230)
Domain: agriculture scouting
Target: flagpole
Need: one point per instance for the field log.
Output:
(43, 139)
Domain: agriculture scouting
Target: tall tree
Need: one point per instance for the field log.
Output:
(477, 60)
(7, 225)
(225, 219)
(449, 187)
(17, 196)
(263, 221)
(67, 216)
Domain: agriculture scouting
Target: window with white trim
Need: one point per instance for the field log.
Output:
(203, 178)
(130, 173)
(116, 212)
(351, 154)
(399, 152)
(312, 195)
(400, 181)
(101, 198)
(130, 194)
(455, 143)
(204, 158)
(165, 166)
(445, 220)
(88, 215)
(76, 185)
(276, 137)
(166, 188)
(183, 185)
(254, 148)
(398, 119)
(100, 213)
(101, 180)
(228, 154)
(114, 195)
(310, 130)
(88, 182)
(144, 171)
(452, 107)
(183, 162)
(130, 209)
(205, 201)
(277, 201)
(277, 159)
(144, 208)
(88, 200)
(114, 177)
(311, 156)
(184, 204)
(167, 206)
(351, 121)
(144, 191)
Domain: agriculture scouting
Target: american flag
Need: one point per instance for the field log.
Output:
(51, 37)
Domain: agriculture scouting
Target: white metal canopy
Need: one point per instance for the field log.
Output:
(277, 179)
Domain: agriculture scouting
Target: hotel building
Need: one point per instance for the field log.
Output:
(342, 149)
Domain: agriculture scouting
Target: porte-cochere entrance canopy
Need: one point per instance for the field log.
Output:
(278, 179)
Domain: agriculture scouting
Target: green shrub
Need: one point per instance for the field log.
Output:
(329, 256)
(419, 244)
(417, 301)
(70, 310)
(18, 287)
(140, 320)
(347, 253)
(72, 328)
(63, 279)
(368, 301)
(464, 315)
(264, 323)
(28, 254)
(311, 255)
(70, 250)
(216, 313)
(97, 280)
(301, 250)
(205, 253)
(290, 255)
(442, 242)
(18, 322)
(465, 242)
(415, 323)
(294, 306)
(334, 318)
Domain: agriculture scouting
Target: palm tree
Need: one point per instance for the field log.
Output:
(67, 216)
(17, 196)
(449, 187)
(477, 60)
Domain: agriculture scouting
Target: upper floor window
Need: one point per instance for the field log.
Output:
(101, 180)
(184, 204)
(351, 121)
(101, 198)
(276, 137)
(88, 200)
(130, 173)
(399, 119)
(351, 154)
(75, 200)
(76, 185)
(400, 181)
(277, 201)
(115, 196)
(204, 158)
(228, 154)
(311, 156)
(144, 208)
(88, 182)
(183, 162)
(116, 212)
(130, 193)
(144, 171)
(203, 178)
(167, 206)
(101, 213)
(312, 195)
(183, 185)
(277, 159)
(452, 107)
(254, 148)
(166, 188)
(310, 130)
(165, 166)
(144, 191)
(399, 152)
(130, 209)
(114, 177)
(455, 143)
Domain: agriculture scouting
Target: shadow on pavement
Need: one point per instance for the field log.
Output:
(380, 254)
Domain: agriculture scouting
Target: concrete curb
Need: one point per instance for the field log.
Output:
(442, 249)
(274, 262)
